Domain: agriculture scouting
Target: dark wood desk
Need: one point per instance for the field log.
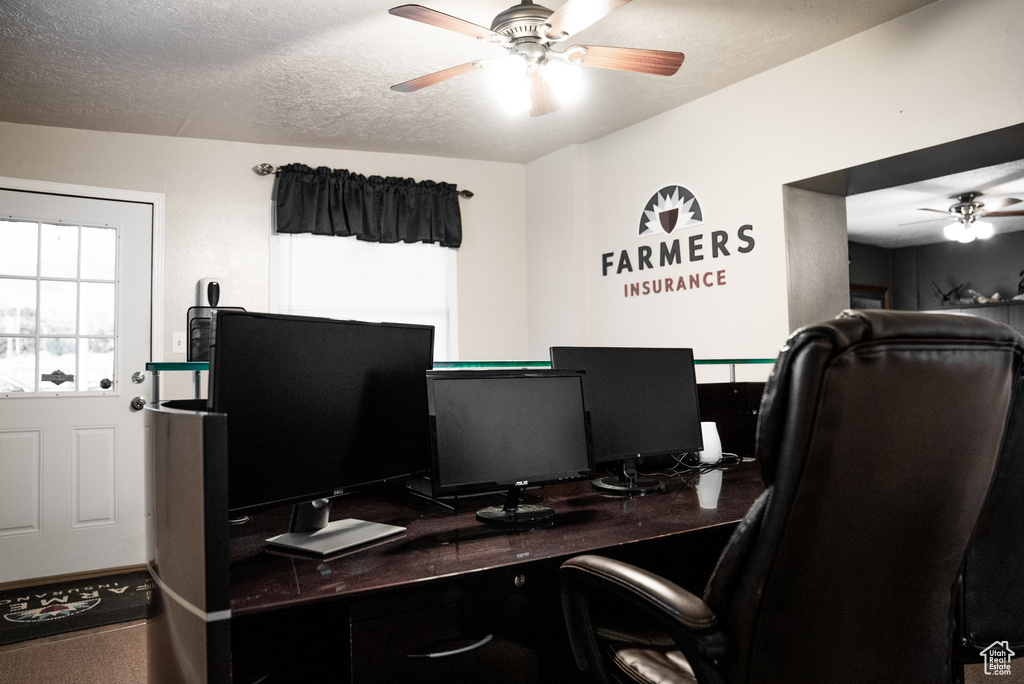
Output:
(226, 609)
(449, 582)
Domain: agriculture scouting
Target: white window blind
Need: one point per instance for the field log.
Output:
(346, 278)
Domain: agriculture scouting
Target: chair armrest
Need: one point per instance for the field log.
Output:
(685, 617)
(634, 583)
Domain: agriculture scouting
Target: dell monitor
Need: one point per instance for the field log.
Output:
(317, 408)
(506, 430)
(642, 403)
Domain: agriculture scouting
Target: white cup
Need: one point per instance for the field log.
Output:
(709, 486)
(712, 452)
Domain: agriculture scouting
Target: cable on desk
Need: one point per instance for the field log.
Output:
(688, 466)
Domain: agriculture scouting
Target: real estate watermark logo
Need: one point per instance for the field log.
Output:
(997, 658)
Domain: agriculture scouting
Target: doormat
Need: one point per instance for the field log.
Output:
(48, 609)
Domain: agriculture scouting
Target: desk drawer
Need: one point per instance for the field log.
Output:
(495, 628)
(443, 646)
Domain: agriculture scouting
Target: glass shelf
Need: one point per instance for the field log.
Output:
(197, 367)
(547, 364)
(732, 363)
(158, 367)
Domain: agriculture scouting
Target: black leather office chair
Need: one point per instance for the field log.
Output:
(991, 599)
(877, 439)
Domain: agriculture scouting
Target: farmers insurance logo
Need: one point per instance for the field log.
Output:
(42, 604)
(671, 207)
(691, 255)
(54, 609)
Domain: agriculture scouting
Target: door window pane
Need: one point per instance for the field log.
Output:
(97, 309)
(97, 369)
(17, 306)
(21, 247)
(59, 251)
(58, 307)
(57, 364)
(17, 365)
(99, 253)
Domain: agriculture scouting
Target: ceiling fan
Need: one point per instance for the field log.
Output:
(534, 74)
(967, 211)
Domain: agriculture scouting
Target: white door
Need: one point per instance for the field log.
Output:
(75, 312)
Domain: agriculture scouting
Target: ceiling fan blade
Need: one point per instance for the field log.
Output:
(441, 20)
(940, 211)
(1005, 202)
(577, 15)
(986, 214)
(542, 97)
(657, 62)
(916, 223)
(436, 77)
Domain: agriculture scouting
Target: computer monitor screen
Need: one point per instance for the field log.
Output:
(318, 407)
(642, 403)
(506, 430)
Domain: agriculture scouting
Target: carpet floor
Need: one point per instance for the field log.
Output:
(113, 654)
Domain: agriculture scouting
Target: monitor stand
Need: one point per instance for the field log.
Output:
(515, 514)
(628, 482)
(311, 531)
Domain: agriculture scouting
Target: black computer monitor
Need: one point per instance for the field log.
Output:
(642, 403)
(506, 430)
(317, 408)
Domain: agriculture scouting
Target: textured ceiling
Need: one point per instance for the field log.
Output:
(893, 217)
(317, 73)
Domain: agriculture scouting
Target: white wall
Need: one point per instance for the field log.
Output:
(897, 88)
(817, 256)
(218, 217)
(556, 236)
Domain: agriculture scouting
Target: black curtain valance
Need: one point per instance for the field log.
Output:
(327, 201)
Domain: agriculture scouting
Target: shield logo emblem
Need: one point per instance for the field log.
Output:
(668, 219)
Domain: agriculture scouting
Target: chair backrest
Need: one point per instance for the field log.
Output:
(992, 595)
(877, 439)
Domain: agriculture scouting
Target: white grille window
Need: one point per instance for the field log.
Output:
(58, 303)
(346, 278)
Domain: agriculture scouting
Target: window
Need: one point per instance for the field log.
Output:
(58, 300)
(346, 278)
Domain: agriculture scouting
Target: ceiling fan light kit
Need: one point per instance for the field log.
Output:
(565, 79)
(533, 75)
(983, 230)
(508, 80)
(968, 231)
(967, 211)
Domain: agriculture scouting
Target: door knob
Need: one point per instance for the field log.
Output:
(138, 403)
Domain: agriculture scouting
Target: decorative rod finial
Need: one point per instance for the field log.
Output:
(264, 169)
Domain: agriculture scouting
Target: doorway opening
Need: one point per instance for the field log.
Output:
(816, 220)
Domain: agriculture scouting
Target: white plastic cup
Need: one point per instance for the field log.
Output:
(709, 486)
(712, 452)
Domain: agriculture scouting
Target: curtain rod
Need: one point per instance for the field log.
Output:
(267, 169)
